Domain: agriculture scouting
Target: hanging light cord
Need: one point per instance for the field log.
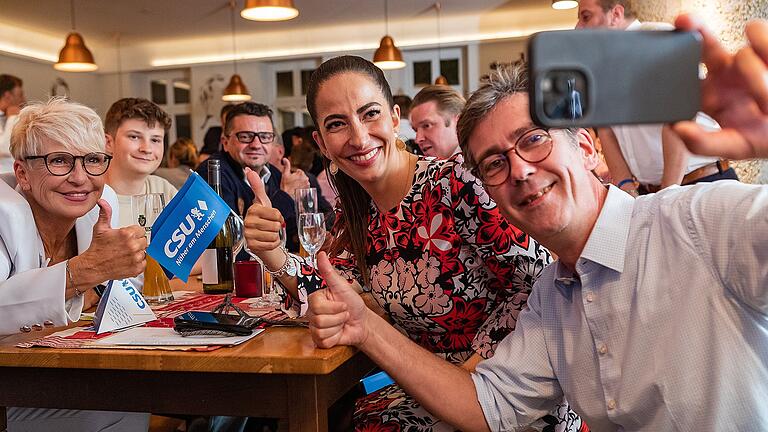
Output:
(232, 25)
(386, 17)
(72, 13)
(439, 48)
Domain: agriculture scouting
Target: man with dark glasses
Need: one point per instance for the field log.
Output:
(247, 141)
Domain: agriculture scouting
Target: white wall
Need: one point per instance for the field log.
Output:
(39, 77)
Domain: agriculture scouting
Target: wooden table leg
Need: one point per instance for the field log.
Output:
(309, 407)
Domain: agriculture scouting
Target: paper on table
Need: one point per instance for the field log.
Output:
(154, 336)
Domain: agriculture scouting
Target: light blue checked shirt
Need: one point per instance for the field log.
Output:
(663, 326)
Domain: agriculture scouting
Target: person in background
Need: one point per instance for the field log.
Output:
(247, 143)
(291, 138)
(647, 158)
(135, 130)
(653, 318)
(418, 235)
(212, 139)
(182, 159)
(57, 242)
(407, 132)
(434, 113)
(11, 100)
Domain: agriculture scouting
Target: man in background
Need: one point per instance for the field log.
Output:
(247, 142)
(646, 158)
(11, 100)
(434, 113)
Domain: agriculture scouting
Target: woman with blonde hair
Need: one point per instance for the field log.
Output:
(182, 159)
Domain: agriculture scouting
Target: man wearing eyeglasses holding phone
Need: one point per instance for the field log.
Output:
(247, 141)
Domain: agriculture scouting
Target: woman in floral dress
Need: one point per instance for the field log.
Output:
(420, 235)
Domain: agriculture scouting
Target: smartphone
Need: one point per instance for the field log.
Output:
(191, 322)
(589, 78)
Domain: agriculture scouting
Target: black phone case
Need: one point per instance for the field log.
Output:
(631, 76)
(188, 326)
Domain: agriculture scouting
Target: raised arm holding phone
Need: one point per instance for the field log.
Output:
(654, 316)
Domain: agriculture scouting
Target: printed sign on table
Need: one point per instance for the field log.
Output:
(121, 306)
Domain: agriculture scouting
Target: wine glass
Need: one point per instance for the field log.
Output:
(270, 298)
(306, 201)
(312, 233)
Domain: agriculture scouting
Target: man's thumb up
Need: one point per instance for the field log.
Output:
(105, 217)
(285, 166)
(258, 187)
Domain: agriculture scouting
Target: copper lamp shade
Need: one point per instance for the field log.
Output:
(388, 56)
(75, 56)
(269, 10)
(564, 4)
(441, 80)
(236, 91)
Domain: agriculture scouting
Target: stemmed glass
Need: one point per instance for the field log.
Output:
(306, 201)
(312, 233)
(269, 297)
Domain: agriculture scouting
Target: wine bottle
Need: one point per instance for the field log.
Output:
(218, 260)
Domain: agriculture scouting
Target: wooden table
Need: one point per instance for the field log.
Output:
(277, 374)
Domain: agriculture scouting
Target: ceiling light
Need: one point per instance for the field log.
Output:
(236, 90)
(269, 10)
(564, 4)
(388, 56)
(75, 56)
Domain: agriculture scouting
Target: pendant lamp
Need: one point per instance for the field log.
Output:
(236, 91)
(388, 56)
(440, 80)
(564, 4)
(75, 56)
(269, 10)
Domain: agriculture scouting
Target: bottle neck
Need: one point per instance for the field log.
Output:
(214, 176)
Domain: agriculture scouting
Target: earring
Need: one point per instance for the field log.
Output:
(399, 144)
(333, 168)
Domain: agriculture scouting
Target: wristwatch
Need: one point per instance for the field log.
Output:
(289, 267)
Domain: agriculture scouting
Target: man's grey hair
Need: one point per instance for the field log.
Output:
(502, 82)
(74, 126)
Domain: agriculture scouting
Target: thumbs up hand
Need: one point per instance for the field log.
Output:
(113, 253)
(262, 222)
(292, 179)
(337, 314)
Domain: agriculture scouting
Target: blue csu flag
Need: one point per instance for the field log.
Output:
(187, 226)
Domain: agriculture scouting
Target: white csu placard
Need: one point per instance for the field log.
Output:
(121, 306)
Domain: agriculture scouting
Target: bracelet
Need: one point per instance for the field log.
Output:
(78, 293)
(627, 181)
(285, 268)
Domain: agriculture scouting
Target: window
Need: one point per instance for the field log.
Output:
(171, 91)
(289, 88)
(424, 66)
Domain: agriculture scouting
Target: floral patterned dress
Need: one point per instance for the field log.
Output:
(451, 273)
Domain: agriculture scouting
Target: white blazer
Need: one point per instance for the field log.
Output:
(30, 291)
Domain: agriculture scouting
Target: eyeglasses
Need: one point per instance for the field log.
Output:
(533, 146)
(247, 137)
(62, 163)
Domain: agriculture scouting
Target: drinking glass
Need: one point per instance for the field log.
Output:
(306, 201)
(312, 234)
(270, 297)
(145, 209)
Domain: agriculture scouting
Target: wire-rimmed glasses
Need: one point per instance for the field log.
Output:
(62, 163)
(533, 146)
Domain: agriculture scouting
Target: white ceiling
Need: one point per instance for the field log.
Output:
(152, 29)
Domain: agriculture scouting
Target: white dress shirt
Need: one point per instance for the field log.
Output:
(662, 327)
(6, 125)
